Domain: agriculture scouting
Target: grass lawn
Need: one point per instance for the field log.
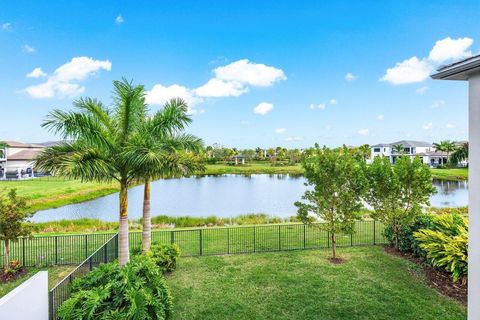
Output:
(55, 274)
(50, 192)
(304, 285)
(450, 174)
(253, 168)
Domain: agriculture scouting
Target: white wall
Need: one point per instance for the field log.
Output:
(28, 301)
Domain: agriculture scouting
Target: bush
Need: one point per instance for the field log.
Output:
(165, 256)
(446, 244)
(136, 291)
(406, 240)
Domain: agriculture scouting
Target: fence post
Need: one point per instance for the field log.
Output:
(201, 241)
(254, 239)
(50, 305)
(90, 263)
(23, 251)
(116, 246)
(172, 237)
(105, 253)
(374, 239)
(279, 239)
(86, 246)
(56, 250)
(228, 240)
(304, 236)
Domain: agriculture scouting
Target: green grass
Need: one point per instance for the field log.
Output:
(253, 168)
(304, 285)
(51, 192)
(450, 174)
(55, 274)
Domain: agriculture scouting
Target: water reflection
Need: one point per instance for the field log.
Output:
(223, 196)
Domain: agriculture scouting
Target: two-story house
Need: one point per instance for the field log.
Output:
(16, 159)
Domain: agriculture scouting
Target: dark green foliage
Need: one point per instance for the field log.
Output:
(136, 291)
(165, 256)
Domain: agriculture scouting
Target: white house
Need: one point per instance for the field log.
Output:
(16, 159)
(424, 150)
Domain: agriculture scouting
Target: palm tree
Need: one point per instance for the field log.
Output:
(160, 149)
(100, 137)
(445, 146)
(460, 154)
(398, 148)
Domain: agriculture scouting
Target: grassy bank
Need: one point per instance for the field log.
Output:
(253, 168)
(450, 174)
(52, 192)
(304, 285)
(55, 274)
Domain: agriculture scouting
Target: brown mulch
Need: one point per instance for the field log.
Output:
(7, 277)
(439, 280)
(336, 260)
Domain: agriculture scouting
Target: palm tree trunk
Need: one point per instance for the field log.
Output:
(147, 221)
(124, 249)
(6, 257)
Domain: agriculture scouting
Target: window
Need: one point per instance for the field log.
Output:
(376, 149)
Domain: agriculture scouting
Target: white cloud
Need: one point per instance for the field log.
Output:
(450, 49)
(350, 77)
(333, 101)
(249, 73)
(428, 126)
(417, 70)
(160, 94)
(119, 19)
(263, 108)
(422, 90)
(380, 117)
(408, 71)
(449, 126)
(36, 73)
(363, 132)
(296, 138)
(437, 104)
(321, 106)
(63, 82)
(280, 130)
(28, 49)
(219, 88)
(6, 26)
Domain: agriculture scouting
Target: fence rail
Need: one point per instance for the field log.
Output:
(108, 252)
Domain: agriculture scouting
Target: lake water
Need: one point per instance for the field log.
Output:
(222, 196)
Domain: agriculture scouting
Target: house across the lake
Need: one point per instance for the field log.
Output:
(424, 150)
(16, 159)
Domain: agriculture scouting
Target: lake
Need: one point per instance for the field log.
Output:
(222, 196)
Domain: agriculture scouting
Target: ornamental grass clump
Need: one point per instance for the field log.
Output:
(136, 291)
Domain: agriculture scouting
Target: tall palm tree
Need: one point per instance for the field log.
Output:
(161, 149)
(445, 146)
(99, 138)
(460, 154)
(398, 148)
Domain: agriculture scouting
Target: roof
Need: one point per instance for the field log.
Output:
(404, 143)
(16, 144)
(51, 143)
(459, 70)
(24, 155)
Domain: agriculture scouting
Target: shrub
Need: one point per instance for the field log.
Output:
(136, 291)
(165, 256)
(446, 244)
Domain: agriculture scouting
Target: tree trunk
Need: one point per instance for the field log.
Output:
(147, 219)
(6, 257)
(123, 248)
(334, 245)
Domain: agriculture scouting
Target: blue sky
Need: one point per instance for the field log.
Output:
(290, 59)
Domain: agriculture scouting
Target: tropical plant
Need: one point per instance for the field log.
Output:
(460, 154)
(397, 193)
(399, 149)
(337, 184)
(446, 244)
(165, 256)
(13, 223)
(446, 146)
(161, 149)
(136, 291)
(97, 139)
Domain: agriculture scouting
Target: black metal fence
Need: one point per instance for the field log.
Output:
(279, 237)
(108, 252)
(54, 250)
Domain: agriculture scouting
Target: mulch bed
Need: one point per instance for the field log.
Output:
(7, 277)
(439, 280)
(336, 260)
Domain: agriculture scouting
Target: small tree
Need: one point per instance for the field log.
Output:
(12, 221)
(397, 193)
(338, 183)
